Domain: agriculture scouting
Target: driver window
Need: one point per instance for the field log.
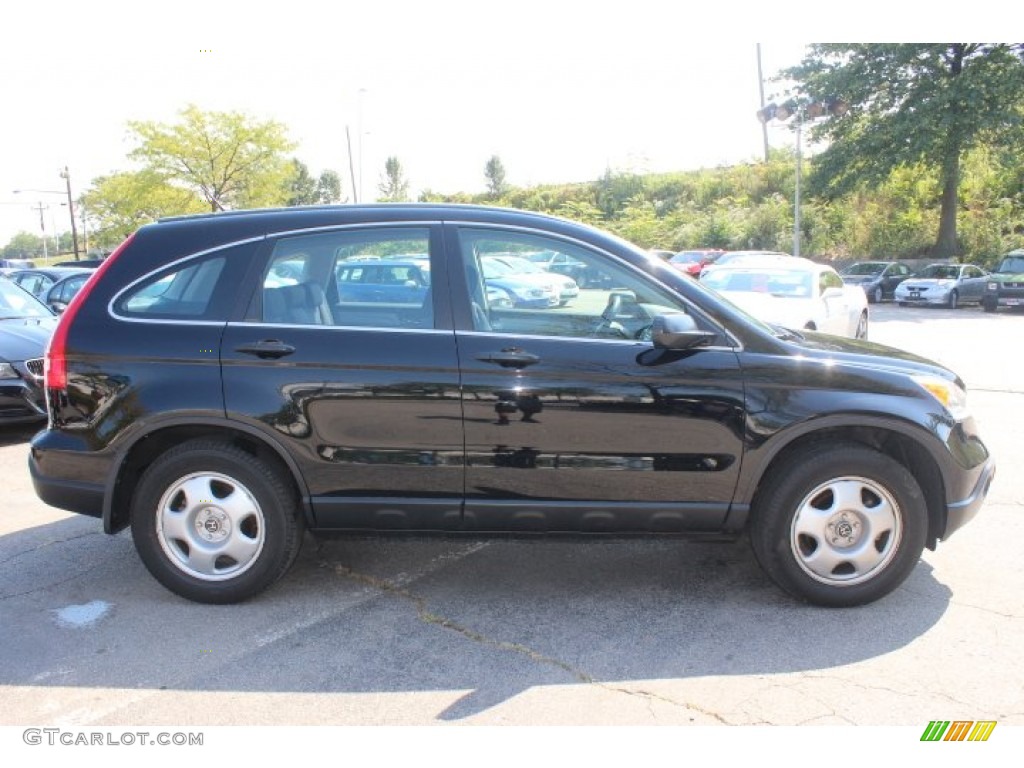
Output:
(522, 284)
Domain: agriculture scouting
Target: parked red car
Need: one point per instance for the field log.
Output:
(692, 262)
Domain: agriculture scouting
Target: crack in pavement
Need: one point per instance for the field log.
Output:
(50, 543)
(429, 617)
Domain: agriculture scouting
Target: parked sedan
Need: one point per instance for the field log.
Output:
(40, 280)
(567, 287)
(878, 278)
(947, 285)
(528, 291)
(693, 262)
(63, 291)
(25, 327)
(794, 293)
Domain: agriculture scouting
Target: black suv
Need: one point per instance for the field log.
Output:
(214, 387)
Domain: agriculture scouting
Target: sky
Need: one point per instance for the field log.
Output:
(560, 91)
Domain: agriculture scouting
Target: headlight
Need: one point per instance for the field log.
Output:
(952, 397)
(992, 287)
(7, 371)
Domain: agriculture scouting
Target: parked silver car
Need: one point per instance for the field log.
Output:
(946, 285)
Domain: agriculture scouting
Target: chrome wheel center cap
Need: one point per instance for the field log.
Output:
(212, 524)
(844, 530)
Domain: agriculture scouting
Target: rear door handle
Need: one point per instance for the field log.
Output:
(266, 349)
(511, 357)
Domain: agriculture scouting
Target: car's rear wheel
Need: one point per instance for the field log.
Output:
(215, 524)
(839, 526)
(877, 296)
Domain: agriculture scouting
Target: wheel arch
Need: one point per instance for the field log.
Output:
(133, 460)
(896, 444)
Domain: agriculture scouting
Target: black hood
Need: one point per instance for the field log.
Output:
(25, 338)
(821, 346)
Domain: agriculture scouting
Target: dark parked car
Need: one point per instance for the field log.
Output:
(219, 407)
(61, 292)
(878, 278)
(25, 327)
(38, 281)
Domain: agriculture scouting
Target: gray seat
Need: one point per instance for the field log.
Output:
(301, 304)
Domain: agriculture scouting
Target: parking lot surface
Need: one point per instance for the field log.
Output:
(512, 631)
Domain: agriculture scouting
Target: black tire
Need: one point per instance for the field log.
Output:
(225, 548)
(877, 295)
(953, 300)
(832, 555)
(988, 307)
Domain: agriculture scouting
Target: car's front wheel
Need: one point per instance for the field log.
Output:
(839, 526)
(215, 524)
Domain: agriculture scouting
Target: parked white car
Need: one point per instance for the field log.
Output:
(792, 292)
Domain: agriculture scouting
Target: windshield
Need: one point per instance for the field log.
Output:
(790, 283)
(941, 272)
(865, 268)
(17, 303)
(1012, 264)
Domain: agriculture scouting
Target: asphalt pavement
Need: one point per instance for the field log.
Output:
(435, 631)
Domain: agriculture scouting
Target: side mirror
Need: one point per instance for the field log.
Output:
(58, 306)
(831, 293)
(678, 331)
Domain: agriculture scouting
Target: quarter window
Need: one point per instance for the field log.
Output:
(186, 292)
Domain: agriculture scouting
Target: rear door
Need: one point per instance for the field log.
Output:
(364, 393)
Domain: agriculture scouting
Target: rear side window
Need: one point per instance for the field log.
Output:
(198, 289)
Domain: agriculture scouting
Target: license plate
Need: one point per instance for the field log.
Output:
(915, 295)
(1012, 302)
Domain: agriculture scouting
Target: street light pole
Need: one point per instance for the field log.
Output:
(796, 203)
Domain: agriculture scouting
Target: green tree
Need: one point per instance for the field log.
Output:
(302, 189)
(393, 187)
(120, 203)
(227, 158)
(494, 172)
(23, 245)
(906, 104)
(328, 188)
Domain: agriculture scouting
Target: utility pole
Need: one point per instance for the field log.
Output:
(64, 174)
(42, 225)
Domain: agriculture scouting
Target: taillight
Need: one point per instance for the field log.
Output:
(55, 370)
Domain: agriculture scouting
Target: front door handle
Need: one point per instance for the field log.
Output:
(266, 349)
(510, 357)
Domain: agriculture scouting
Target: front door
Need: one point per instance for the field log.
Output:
(573, 421)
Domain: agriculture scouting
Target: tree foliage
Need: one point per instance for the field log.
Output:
(494, 172)
(227, 158)
(120, 203)
(393, 187)
(303, 189)
(909, 105)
